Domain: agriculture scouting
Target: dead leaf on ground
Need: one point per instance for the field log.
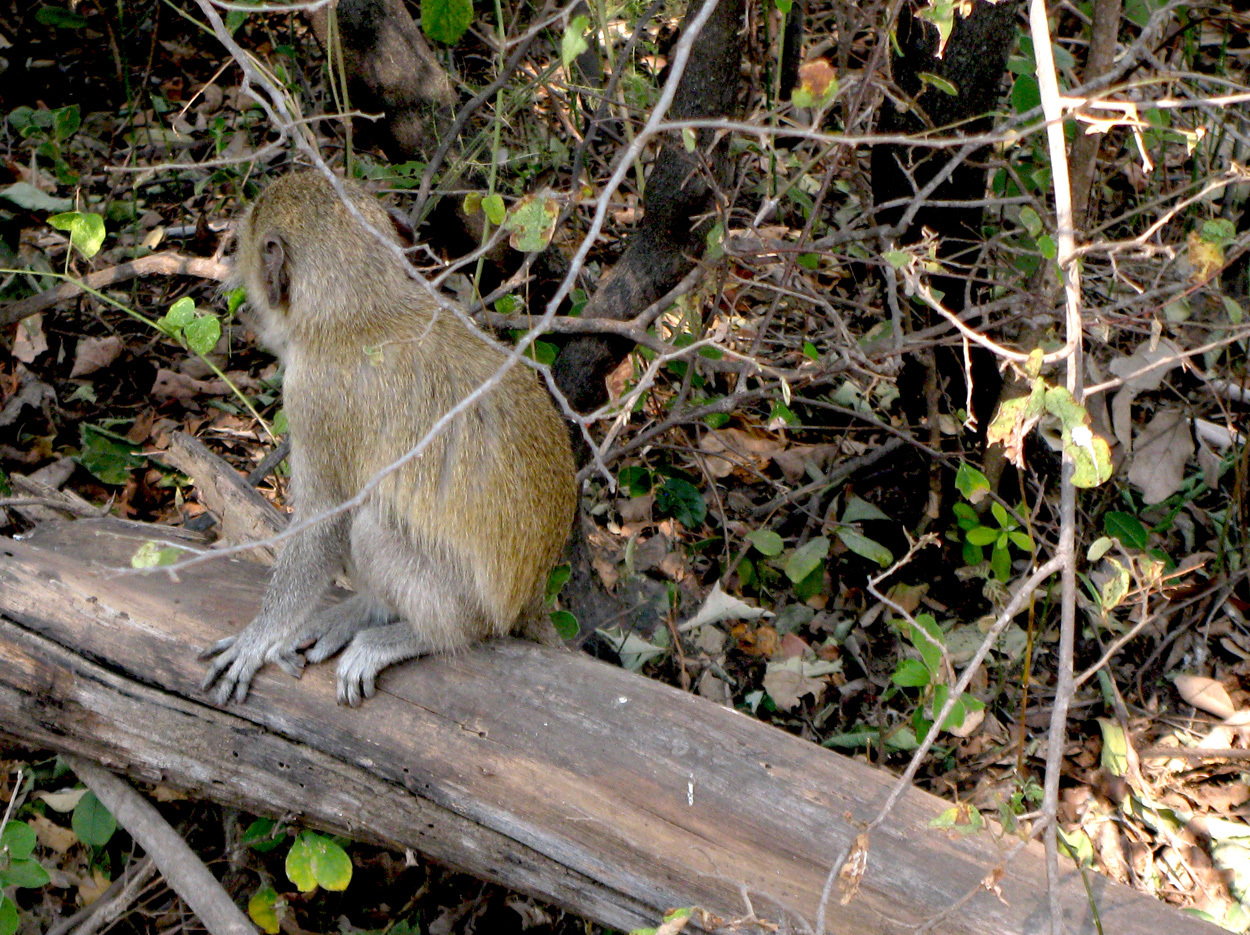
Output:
(787, 682)
(30, 341)
(1142, 371)
(95, 354)
(1205, 694)
(734, 449)
(1160, 453)
(51, 835)
(718, 606)
(170, 384)
(795, 460)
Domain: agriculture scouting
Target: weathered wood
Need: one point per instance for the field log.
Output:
(543, 770)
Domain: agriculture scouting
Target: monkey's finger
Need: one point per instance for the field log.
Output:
(217, 648)
(215, 672)
(291, 662)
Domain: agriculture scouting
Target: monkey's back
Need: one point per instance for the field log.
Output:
(493, 492)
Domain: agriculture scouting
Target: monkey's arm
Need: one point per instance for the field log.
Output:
(300, 578)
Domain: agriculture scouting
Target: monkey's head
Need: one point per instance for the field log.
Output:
(309, 263)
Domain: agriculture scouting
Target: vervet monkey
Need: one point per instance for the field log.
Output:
(454, 546)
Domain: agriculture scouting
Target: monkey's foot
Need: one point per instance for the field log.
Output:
(335, 626)
(240, 657)
(371, 651)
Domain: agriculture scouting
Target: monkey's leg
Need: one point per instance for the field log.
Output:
(300, 577)
(428, 591)
(335, 626)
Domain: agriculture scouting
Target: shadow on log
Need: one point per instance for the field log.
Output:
(545, 771)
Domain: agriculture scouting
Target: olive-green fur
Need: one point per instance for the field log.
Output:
(372, 363)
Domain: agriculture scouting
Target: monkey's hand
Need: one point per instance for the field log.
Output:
(238, 658)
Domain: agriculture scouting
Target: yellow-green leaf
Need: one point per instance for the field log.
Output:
(262, 909)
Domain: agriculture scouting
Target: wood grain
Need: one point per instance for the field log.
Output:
(543, 770)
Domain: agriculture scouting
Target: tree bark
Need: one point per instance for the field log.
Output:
(543, 770)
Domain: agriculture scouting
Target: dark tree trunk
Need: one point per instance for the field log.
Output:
(671, 236)
(974, 61)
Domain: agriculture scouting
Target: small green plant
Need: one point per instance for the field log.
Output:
(51, 129)
(998, 538)
(930, 676)
(314, 860)
(17, 869)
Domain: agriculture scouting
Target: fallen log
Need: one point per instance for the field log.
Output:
(542, 770)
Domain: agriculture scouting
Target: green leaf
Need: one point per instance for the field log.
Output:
(864, 547)
(1116, 588)
(716, 241)
(806, 558)
(260, 836)
(784, 6)
(1046, 246)
(495, 209)
(930, 646)
(971, 483)
(86, 230)
(92, 822)
(1076, 844)
(981, 535)
(1021, 540)
(299, 863)
(565, 623)
(152, 554)
(446, 20)
(331, 866)
(18, 839)
(812, 585)
(782, 413)
(911, 673)
(965, 516)
(957, 713)
(26, 873)
(1000, 563)
(766, 542)
(681, 500)
(58, 18)
(8, 916)
(1127, 528)
(635, 480)
(945, 85)
(107, 455)
(810, 352)
(1114, 747)
(573, 43)
(897, 258)
(858, 509)
(1219, 231)
(1025, 94)
(1032, 221)
(1004, 518)
(262, 909)
(532, 222)
(557, 579)
(180, 314)
(202, 334)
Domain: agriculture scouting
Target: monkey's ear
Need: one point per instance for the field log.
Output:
(273, 267)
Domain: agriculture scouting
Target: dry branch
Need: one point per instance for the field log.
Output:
(542, 770)
(168, 263)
